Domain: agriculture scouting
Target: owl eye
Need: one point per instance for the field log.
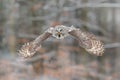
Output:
(57, 30)
(61, 30)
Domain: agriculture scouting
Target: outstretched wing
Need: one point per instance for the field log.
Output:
(88, 41)
(30, 48)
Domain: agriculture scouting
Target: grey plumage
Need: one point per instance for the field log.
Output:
(86, 40)
(30, 48)
(89, 42)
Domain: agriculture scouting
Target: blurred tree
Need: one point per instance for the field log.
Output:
(11, 15)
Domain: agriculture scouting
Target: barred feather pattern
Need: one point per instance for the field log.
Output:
(89, 42)
(86, 40)
(29, 49)
(97, 48)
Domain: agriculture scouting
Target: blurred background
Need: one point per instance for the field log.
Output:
(22, 21)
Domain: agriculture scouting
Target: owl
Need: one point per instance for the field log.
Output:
(86, 40)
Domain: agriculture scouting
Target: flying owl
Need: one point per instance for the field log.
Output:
(86, 40)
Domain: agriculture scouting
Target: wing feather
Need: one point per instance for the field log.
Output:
(89, 42)
(30, 48)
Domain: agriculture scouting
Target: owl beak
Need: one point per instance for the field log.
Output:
(59, 34)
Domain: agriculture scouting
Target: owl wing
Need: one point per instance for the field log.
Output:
(30, 48)
(88, 41)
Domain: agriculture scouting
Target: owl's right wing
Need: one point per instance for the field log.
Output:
(30, 48)
(88, 41)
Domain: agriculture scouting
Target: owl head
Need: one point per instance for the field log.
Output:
(60, 32)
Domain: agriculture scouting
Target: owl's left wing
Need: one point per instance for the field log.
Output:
(88, 41)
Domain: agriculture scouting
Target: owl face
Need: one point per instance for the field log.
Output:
(60, 32)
